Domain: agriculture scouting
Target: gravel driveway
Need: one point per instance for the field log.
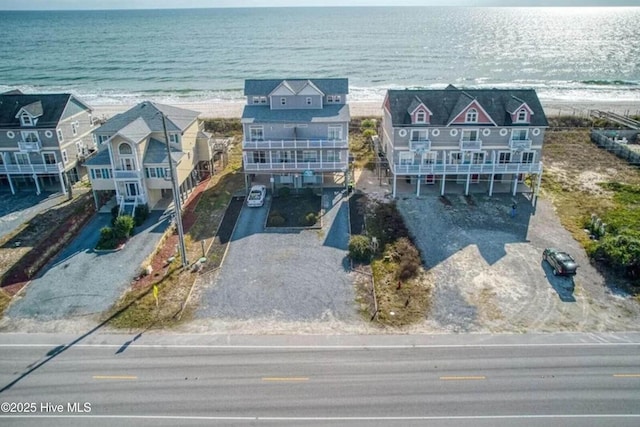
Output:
(296, 275)
(81, 281)
(489, 275)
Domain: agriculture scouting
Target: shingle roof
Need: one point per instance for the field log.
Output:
(262, 113)
(100, 159)
(263, 87)
(157, 152)
(447, 103)
(51, 105)
(135, 131)
(178, 119)
(35, 108)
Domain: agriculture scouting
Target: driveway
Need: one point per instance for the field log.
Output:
(81, 281)
(489, 275)
(284, 275)
(17, 209)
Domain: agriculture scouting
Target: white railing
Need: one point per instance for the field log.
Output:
(420, 145)
(126, 174)
(31, 168)
(298, 166)
(29, 147)
(470, 144)
(453, 169)
(294, 144)
(520, 144)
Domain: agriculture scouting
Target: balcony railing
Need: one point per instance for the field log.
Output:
(420, 145)
(296, 166)
(453, 169)
(126, 174)
(295, 144)
(29, 147)
(470, 144)
(31, 168)
(520, 144)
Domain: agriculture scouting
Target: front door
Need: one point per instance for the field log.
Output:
(127, 163)
(132, 189)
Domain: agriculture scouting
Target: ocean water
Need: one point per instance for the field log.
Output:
(201, 55)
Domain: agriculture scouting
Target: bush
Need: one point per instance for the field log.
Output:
(140, 214)
(368, 124)
(621, 252)
(276, 220)
(360, 248)
(310, 218)
(284, 192)
(107, 239)
(407, 255)
(123, 226)
(368, 133)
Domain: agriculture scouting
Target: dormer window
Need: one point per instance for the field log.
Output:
(472, 116)
(26, 119)
(421, 117)
(332, 99)
(174, 138)
(522, 115)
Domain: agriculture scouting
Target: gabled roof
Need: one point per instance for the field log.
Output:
(415, 104)
(263, 87)
(329, 113)
(177, 119)
(514, 105)
(443, 103)
(47, 107)
(157, 153)
(135, 131)
(457, 113)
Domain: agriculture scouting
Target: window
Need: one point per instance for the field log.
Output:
(1, 158)
(74, 128)
(470, 135)
(477, 158)
(329, 99)
(522, 115)
(336, 98)
(151, 172)
(26, 120)
(332, 156)
(283, 101)
(419, 135)
(103, 138)
(22, 158)
(174, 138)
(125, 148)
(30, 136)
(527, 157)
(472, 116)
(282, 156)
(60, 136)
(519, 134)
(335, 133)
(65, 158)
(504, 157)
(429, 158)
(259, 157)
(333, 99)
(263, 100)
(406, 158)
(79, 148)
(456, 158)
(308, 100)
(256, 99)
(256, 133)
(421, 117)
(309, 156)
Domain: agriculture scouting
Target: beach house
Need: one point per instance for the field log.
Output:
(44, 138)
(463, 140)
(132, 161)
(296, 132)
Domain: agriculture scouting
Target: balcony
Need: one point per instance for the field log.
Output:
(470, 144)
(29, 147)
(520, 144)
(295, 144)
(420, 146)
(120, 174)
(14, 169)
(295, 166)
(466, 168)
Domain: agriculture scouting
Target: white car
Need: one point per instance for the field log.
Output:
(257, 196)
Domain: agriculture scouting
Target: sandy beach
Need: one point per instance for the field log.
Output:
(233, 109)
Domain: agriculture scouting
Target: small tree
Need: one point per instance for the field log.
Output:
(360, 248)
(123, 226)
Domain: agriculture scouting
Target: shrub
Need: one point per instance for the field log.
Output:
(310, 218)
(284, 192)
(140, 214)
(276, 220)
(621, 252)
(368, 124)
(360, 248)
(368, 133)
(107, 239)
(123, 226)
(408, 257)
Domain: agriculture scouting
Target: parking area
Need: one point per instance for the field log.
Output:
(489, 273)
(16, 209)
(81, 281)
(285, 274)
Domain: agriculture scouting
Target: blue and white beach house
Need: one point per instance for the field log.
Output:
(296, 132)
(472, 140)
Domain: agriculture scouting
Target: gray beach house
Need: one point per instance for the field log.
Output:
(296, 132)
(454, 140)
(43, 140)
(132, 161)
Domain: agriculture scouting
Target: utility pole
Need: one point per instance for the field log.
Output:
(176, 196)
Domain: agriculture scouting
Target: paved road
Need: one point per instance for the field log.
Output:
(81, 281)
(456, 380)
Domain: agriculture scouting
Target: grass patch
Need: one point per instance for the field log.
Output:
(294, 211)
(360, 142)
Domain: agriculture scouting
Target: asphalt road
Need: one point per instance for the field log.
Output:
(449, 381)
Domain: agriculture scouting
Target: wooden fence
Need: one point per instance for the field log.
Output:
(610, 141)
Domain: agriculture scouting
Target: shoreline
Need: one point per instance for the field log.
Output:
(233, 109)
